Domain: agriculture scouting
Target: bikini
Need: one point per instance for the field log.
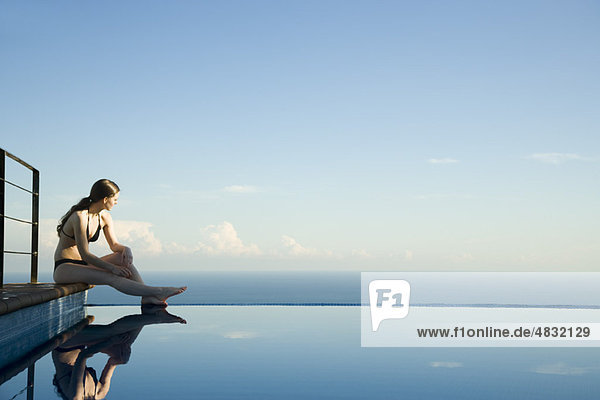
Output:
(87, 234)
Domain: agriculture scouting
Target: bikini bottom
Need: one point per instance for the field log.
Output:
(68, 260)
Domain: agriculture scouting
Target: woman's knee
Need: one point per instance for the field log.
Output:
(114, 258)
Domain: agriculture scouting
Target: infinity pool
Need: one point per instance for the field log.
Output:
(283, 352)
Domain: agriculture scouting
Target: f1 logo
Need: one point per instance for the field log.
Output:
(389, 299)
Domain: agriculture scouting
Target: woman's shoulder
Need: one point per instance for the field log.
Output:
(106, 217)
(79, 214)
(78, 217)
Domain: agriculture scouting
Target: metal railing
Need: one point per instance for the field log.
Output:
(35, 214)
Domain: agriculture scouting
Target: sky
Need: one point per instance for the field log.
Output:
(312, 135)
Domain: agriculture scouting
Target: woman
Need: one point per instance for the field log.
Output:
(74, 263)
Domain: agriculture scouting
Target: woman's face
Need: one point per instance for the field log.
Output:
(110, 202)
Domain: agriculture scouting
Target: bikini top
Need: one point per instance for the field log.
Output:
(87, 231)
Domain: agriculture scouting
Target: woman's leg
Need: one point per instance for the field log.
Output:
(115, 258)
(71, 273)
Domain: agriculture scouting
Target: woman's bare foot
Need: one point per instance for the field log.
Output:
(153, 300)
(167, 292)
(163, 315)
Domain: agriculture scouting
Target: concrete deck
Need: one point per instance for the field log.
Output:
(15, 296)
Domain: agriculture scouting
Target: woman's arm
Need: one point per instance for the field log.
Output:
(80, 227)
(113, 243)
(105, 378)
(76, 382)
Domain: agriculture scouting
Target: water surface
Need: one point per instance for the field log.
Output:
(273, 352)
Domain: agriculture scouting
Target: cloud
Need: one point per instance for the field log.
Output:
(223, 239)
(462, 258)
(560, 368)
(445, 364)
(179, 249)
(48, 238)
(295, 249)
(241, 189)
(139, 236)
(442, 161)
(240, 335)
(556, 158)
(360, 253)
(215, 240)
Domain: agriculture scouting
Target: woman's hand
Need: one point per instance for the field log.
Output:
(126, 257)
(121, 271)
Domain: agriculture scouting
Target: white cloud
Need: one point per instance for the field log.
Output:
(139, 236)
(295, 249)
(556, 158)
(462, 258)
(240, 335)
(215, 240)
(445, 364)
(223, 239)
(135, 234)
(48, 238)
(560, 368)
(241, 189)
(360, 253)
(442, 161)
(180, 249)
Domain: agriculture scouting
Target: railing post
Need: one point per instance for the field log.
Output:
(30, 381)
(2, 177)
(35, 226)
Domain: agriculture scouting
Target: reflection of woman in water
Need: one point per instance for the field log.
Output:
(74, 380)
(74, 263)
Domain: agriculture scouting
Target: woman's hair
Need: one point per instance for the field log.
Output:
(57, 389)
(101, 189)
(59, 392)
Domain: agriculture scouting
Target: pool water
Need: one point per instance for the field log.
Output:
(300, 352)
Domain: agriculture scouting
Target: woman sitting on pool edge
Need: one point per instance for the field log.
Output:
(74, 263)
